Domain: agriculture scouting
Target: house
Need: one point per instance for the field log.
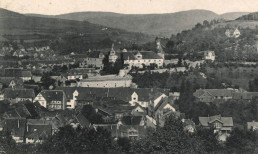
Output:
(17, 127)
(171, 62)
(138, 110)
(20, 53)
(11, 73)
(233, 33)
(114, 110)
(189, 125)
(252, 125)
(209, 55)
(111, 81)
(80, 120)
(18, 95)
(221, 125)
(142, 58)
(161, 109)
(37, 131)
(95, 59)
(209, 95)
(51, 99)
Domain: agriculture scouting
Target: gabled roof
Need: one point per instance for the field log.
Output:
(226, 121)
(18, 93)
(144, 94)
(38, 131)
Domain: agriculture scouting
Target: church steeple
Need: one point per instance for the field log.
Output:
(160, 51)
(112, 55)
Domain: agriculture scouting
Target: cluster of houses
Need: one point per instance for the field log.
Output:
(127, 111)
(22, 51)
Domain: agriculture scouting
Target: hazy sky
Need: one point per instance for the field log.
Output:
(54, 7)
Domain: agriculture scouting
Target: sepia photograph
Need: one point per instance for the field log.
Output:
(128, 76)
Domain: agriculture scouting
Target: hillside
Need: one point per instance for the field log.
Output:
(232, 15)
(155, 24)
(250, 16)
(15, 26)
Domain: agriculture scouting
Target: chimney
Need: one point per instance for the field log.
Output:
(18, 123)
(27, 128)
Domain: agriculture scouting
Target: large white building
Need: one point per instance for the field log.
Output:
(140, 58)
(108, 81)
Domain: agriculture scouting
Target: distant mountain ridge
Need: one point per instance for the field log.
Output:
(154, 24)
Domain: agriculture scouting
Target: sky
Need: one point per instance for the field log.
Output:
(55, 7)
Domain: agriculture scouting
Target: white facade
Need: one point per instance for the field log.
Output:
(107, 81)
(39, 98)
(72, 103)
(73, 77)
(146, 62)
(134, 100)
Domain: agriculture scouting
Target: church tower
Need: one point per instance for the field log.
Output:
(112, 55)
(160, 51)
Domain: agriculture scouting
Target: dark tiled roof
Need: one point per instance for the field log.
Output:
(144, 94)
(16, 126)
(94, 54)
(52, 95)
(214, 92)
(18, 93)
(145, 55)
(82, 120)
(37, 131)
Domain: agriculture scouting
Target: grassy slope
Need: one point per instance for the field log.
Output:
(12, 23)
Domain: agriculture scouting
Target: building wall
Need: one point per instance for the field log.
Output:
(96, 62)
(103, 84)
(147, 62)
